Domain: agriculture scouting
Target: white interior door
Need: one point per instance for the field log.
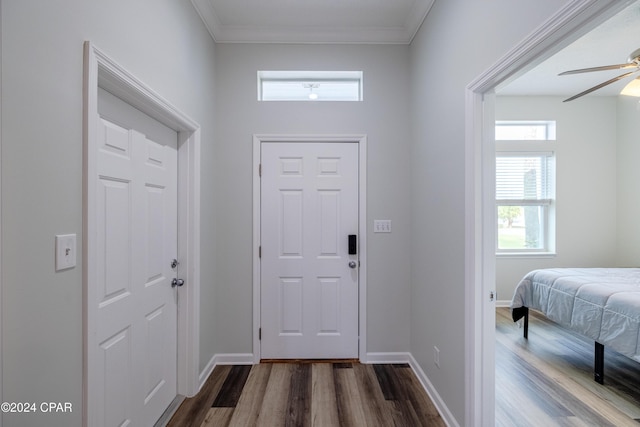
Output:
(135, 349)
(309, 281)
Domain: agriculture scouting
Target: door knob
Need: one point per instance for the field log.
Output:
(177, 282)
(353, 264)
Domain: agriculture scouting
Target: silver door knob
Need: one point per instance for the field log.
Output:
(353, 264)
(177, 282)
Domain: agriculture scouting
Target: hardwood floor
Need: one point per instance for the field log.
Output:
(319, 394)
(547, 380)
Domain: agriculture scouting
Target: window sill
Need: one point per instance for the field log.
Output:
(525, 255)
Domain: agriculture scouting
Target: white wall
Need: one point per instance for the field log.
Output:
(628, 231)
(459, 40)
(383, 116)
(164, 44)
(586, 170)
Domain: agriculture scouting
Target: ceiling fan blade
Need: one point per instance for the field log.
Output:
(600, 86)
(604, 67)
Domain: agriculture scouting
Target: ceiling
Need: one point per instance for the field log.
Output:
(608, 44)
(397, 21)
(313, 21)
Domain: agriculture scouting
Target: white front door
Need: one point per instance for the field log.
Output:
(133, 354)
(309, 280)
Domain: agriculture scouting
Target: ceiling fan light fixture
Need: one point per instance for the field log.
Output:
(632, 88)
(633, 63)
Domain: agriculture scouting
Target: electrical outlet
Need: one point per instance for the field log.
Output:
(436, 356)
(382, 226)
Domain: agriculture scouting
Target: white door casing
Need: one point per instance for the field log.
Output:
(100, 72)
(309, 281)
(573, 19)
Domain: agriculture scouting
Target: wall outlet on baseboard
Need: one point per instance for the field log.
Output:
(436, 356)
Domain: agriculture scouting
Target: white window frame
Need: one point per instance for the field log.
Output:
(531, 148)
(311, 83)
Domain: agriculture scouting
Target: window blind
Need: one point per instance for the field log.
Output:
(525, 177)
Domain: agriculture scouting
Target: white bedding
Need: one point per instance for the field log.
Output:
(600, 303)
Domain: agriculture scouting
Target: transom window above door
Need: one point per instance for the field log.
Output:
(310, 86)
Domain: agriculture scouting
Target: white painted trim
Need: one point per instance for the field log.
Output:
(361, 140)
(224, 359)
(571, 21)
(386, 358)
(442, 408)
(503, 303)
(233, 359)
(400, 34)
(101, 71)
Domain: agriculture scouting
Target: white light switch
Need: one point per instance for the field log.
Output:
(382, 226)
(65, 251)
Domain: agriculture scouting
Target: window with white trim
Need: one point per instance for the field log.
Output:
(525, 188)
(310, 86)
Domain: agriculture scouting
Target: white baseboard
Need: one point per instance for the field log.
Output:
(224, 359)
(503, 303)
(387, 358)
(424, 381)
(444, 411)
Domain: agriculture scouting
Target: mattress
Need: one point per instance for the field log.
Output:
(600, 303)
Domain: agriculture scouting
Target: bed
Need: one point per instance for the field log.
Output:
(602, 304)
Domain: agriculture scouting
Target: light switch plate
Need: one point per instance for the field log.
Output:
(65, 251)
(382, 226)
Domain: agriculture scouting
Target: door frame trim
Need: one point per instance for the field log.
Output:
(101, 71)
(574, 19)
(361, 140)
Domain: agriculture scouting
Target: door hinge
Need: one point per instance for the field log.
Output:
(259, 251)
(259, 334)
(492, 295)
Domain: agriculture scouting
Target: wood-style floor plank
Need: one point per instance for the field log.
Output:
(548, 379)
(422, 404)
(304, 394)
(193, 411)
(372, 398)
(232, 387)
(298, 412)
(218, 417)
(250, 401)
(324, 409)
(276, 396)
(348, 398)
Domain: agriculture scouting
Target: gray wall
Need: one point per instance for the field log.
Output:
(164, 44)
(383, 116)
(586, 184)
(628, 225)
(459, 40)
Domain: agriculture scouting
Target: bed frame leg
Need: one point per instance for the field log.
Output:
(526, 323)
(598, 369)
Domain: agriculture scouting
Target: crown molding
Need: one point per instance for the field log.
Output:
(312, 34)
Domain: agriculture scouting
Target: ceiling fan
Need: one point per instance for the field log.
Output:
(633, 63)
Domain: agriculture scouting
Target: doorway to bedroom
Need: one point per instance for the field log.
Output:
(591, 177)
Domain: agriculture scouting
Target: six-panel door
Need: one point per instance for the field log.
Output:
(309, 290)
(136, 321)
